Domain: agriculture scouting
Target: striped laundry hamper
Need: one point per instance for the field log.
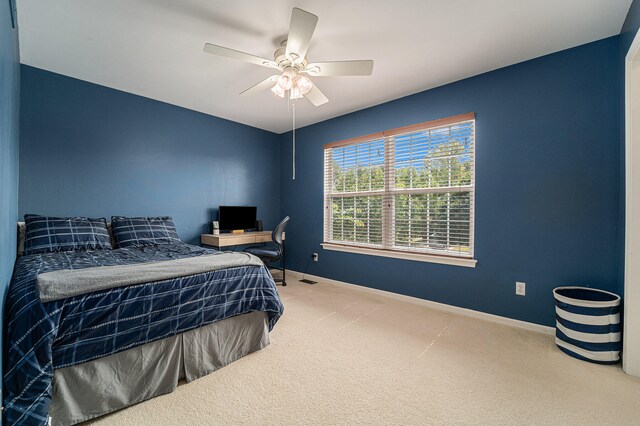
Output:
(588, 324)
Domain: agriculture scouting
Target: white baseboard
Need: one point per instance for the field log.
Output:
(434, 305)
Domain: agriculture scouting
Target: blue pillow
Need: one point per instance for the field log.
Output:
(52, 234)
(143, 231)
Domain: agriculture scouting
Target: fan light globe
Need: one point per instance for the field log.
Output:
(303, 84)
(278, 91)
(295, 93)
(285, 81)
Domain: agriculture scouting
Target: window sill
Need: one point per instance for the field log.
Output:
(419, 257)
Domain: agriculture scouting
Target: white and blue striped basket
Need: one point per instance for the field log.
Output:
(588, 324)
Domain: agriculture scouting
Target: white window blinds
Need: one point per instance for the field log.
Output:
(408, 189)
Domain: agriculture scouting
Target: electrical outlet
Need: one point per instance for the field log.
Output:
(521, 288)
(314, 256)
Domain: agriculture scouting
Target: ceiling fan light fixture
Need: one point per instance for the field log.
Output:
(278, 91)
(303, 84)
(295, 93)
(285, 81)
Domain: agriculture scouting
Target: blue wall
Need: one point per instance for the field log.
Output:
(548, 197)
(9, 110)
(547, 185)
(88, 150)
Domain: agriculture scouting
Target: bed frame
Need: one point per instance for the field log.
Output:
(95, 388)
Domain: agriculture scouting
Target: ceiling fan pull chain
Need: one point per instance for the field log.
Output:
(293, 105)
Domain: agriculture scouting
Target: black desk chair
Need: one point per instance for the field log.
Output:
(273, 253)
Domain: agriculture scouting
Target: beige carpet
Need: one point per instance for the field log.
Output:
(341, 356)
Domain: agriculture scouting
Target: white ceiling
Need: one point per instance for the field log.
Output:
(153, 48)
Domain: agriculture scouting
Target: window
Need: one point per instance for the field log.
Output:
(403, 191)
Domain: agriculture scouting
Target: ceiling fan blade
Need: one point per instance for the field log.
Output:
(263, 85)
(316, 97)
(240, 56)
(300, 31)
(340, 68)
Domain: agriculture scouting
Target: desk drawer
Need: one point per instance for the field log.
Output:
(263, 238)
(210, 240)
(238, 240)
(226, 240)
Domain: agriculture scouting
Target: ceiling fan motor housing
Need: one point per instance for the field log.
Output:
(285, 63)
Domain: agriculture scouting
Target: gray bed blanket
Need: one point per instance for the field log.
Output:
(74, 282)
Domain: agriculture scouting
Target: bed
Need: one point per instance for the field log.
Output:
(79, 354)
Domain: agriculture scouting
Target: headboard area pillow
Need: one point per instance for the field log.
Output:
(143, 231)
(22, 228)
(45, 234)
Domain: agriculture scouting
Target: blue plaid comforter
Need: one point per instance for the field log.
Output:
(40, 337)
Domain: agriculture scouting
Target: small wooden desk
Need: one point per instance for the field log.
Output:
(228, 239)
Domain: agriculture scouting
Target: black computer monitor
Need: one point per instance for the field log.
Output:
(237, 217)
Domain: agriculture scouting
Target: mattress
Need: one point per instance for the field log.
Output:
(42, 337)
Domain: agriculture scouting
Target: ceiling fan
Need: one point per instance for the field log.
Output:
(291, 60)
